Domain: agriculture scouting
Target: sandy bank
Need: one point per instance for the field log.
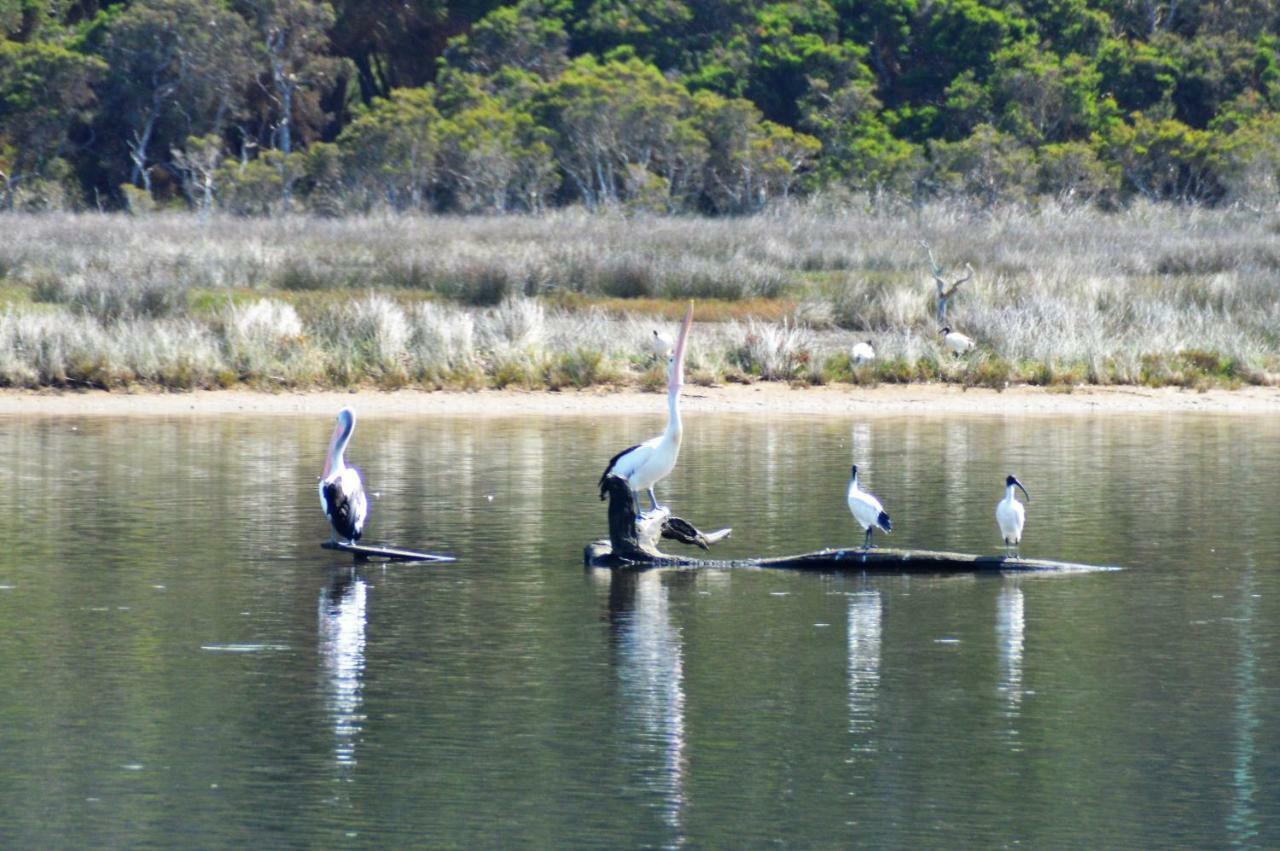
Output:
(764, 398)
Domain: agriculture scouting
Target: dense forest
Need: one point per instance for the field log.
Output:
(718, 106)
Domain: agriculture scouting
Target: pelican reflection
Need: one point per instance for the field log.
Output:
(650, 666)
(865, 629)
(342, 617)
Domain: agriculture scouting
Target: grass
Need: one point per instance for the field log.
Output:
(1156, 296)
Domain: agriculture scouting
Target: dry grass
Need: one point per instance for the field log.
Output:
(1153, 295)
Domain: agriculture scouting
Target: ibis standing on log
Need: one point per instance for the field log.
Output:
(1010, 514)
(341, 491)
(648, 463)
(867, 510)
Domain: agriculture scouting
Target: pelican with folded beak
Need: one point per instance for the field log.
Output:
(648, 463)
(1010, 514)
(341, 491)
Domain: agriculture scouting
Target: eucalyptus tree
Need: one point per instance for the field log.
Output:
(616, 119)
(390, 151)
(176, 68)
(44, 89)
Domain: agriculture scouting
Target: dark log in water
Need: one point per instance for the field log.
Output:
(365, 552)
(635, 536)
(633, 544)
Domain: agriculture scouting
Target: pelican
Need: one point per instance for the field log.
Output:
(341, 491)
(862, 352)
(866, 509)
(648, 463)
(955, 341)
(1010, 514)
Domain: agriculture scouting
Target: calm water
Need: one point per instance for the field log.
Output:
(182, 665)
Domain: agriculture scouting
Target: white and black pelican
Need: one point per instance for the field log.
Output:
(1010, 513)
(341, 491)
(955, 341)
(866, 509)
(863, 352)
(648, 463)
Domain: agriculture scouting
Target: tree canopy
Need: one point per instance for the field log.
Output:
(717, 106)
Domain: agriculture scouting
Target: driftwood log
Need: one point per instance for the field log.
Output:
(370, 552)
(633, 544)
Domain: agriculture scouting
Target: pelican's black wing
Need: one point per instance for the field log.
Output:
(341, 510)
(609, 466)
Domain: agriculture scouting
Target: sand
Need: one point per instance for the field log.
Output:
(763, 398)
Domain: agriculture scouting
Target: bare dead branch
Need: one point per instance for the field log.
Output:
(950, 291)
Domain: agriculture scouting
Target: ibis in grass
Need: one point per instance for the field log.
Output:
(1010, 514)
(341, 491)
(956, 342)
(648, 463)
(662, 344)
(866, 509)
(862, 352)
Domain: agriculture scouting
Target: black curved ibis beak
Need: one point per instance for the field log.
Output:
(1024, 490)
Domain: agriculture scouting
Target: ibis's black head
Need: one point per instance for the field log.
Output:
(853, 472)
(946, 329)
(869, 344)
(1012, 481)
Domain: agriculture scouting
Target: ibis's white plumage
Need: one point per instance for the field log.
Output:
(1011, 515)
(866, 509)
(662, 344)
(956, 342)
(341, 491)
(648, 463)
(862, 352)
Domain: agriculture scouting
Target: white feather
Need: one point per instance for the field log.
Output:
(1011, 517)
(866, 509)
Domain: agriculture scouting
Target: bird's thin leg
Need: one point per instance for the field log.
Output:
(653, 500)
(866, 542)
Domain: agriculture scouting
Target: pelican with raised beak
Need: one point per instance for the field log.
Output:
(648, 463)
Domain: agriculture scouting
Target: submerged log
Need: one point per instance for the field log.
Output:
(633, 544)
(635, 536)
(366, 552)
(852, 560)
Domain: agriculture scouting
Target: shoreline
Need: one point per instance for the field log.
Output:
(772, 398)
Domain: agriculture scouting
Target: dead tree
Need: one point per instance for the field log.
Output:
(945, 290)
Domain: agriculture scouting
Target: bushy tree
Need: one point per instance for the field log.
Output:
(176, 68)
(44, 89)
(389, 152)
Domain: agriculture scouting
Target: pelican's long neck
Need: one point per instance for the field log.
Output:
(336, 462)
(674, 426)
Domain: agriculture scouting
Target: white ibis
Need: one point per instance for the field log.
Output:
(955, 341)
(862, 352)
(648, 463)
(866, 509)
(341, 491)
(662, 344)
(1010, 514)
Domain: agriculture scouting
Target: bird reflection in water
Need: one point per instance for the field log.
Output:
(865, 610)
(1010, 626)
(650, 666)
(343, 617)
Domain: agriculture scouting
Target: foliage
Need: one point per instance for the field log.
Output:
(722, 106)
